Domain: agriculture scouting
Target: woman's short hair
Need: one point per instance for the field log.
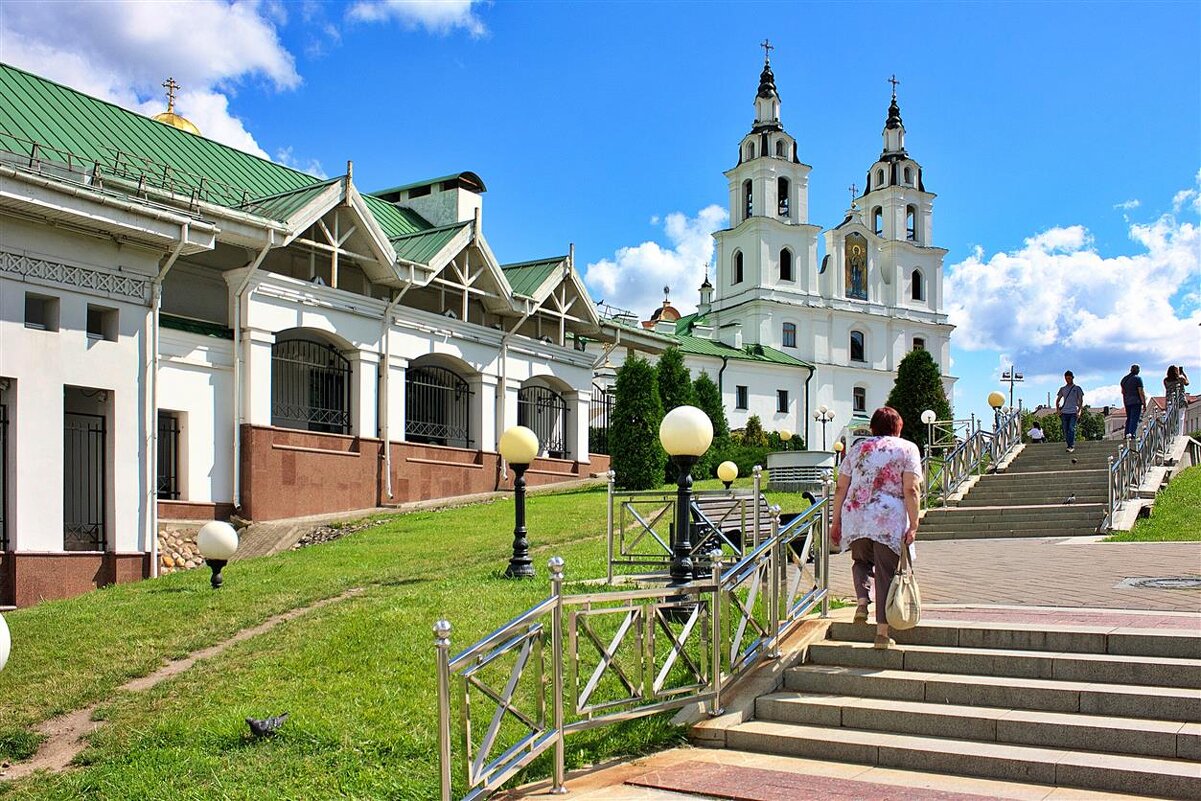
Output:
(886, 422)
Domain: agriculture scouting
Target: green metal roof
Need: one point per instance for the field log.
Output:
(525, 277)
(195, 326)
(285, 204)
(422, 246)
(702, 346)
(394, 220)
(464, 177)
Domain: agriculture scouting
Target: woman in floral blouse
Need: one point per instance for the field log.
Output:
(876, 508)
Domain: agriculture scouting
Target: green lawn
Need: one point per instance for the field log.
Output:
(1176, 516)
(357, 675)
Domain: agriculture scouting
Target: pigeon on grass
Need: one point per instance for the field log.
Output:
(267, 726)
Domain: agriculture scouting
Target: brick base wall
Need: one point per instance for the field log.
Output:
(28, 578)
(289, 473)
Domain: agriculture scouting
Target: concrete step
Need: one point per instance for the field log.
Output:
(966, 519)
(941, 535)
(1056, 512)
(1065, 467)
(1010, 525)
(1008, 762)
(1075, 474)
(1107, 668)
(972, 500)
(1154, 738)
(1127, 641)
(1042, 695)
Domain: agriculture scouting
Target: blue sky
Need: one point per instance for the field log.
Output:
(608, 125)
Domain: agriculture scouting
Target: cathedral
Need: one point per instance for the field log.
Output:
(848, 317)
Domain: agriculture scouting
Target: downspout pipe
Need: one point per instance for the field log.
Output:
(808, 378)
(156, 302)
(237, 433)
(724, 361)
(385, 334)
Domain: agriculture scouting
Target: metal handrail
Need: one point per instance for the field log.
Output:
(616, 656)
(1137, 456)
(945, 474)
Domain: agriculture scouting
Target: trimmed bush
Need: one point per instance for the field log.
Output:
(918, 387)
(707, 398)
(637, 458)
(675, 383)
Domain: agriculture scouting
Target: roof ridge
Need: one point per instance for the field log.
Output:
(431, 230)
(287, 192)
(529, 262)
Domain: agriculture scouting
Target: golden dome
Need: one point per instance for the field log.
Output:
(169, 117)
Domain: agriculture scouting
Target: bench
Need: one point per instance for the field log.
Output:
(718, 519)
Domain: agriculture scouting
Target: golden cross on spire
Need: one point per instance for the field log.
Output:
(893, 80)
(172, 87)
(854, 190)
(767, 48)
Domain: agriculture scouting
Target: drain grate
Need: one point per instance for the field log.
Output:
(1164, 583)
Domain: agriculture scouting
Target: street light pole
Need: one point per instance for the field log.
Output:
(823, 415)
(685, 433)
(1013, 377)
(519, 447)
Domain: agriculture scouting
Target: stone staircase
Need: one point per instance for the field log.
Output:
(1028, 499)
(1096, 708)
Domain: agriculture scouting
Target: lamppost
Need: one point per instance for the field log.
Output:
(5, 643)
(838, 449)
(685, 433)
(928, 417)
(786, 437)
(519, 447)
(217, 541)
(727, 472)
(1013, 377)
(823, 415)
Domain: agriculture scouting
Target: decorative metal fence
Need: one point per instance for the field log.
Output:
(84, 482)
(310, 387)
(437, 407)
(544, 412)
(168, 456)
(970, 450)
(613, 656)
(1136, 457)
(600, 412)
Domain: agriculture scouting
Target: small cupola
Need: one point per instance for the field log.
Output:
(706, 293)
(663, 319)
(767, 99)
(169, 117)
(894, 128)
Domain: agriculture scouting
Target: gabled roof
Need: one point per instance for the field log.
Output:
(423, 246)
(527, 276)
(703, 346)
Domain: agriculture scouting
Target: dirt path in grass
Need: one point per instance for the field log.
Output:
(66, 735)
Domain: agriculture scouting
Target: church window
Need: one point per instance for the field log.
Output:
(750, 150)
(859, 399)
(782, 191)
(855, 266)
(780, 148)
(918, 290)
(879, 178)
(878, 221)
(785, 265)
(789, 335)
(782, 401)
(911, 223)
(747, 202)
(738, 267)
(919, 343)
(857, 346)
(740, 397)
(908, 177)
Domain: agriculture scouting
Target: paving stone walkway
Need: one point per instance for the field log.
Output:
(1061, 572)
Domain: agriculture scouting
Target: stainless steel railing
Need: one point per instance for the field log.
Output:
(946, 473)
(1137, 456)
(614, 656)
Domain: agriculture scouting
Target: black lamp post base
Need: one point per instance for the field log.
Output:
(520, 569)
(520, 564)
(217, 565)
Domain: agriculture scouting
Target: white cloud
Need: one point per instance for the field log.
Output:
(122, 52)
(313, 167)
(1128, 205)
(635, 276)
(437, 16)
(1056, 303)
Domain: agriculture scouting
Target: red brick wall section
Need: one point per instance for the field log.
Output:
(295, 473)
(185, 510)
(36, 577)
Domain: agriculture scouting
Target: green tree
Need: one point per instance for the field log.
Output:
(1091, 425)
(637, 457)
(707, 398)
(675, 384)
(1051, 425)
(918, 387)
(754, 435)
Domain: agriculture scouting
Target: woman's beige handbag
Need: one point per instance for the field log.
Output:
(904, 605)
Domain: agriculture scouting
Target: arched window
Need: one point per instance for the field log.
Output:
(879, 178)
(780, 148)
(789, 337)
(908, 177)
(878, 221)
(543, 411)
(919, 343)
(918, 290)
(785, 265)
(738, 267)
(747, 200)
(310, 387)
(859, 399)
(750, 150)
(857, 346)
(437, 407)
(782, 189)
(911, 223)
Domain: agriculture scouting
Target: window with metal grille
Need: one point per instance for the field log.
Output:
(544, 412)
(310, 387)
(168, 456)
(84, 482)
(3, 477)
(437, 407)
(790, 335)
(740, 397)
(600, 411)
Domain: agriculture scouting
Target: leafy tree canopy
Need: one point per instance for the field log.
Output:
(918, 387)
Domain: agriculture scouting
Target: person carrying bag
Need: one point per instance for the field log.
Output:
(904, 606)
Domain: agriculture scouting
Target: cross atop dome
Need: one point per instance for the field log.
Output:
(894, 111)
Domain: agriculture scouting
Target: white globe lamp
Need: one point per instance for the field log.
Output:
(685, 433)
(928, 417)
(5, 643)
(727, 471)
(217, 542)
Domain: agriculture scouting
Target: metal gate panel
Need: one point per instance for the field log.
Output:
(600, 411)
(3, 477)
(310, 387)
(544, 411)
(437, 407)
(168, 456)
(84, 482)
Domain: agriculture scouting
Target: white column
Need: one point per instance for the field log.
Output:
(509, 402)
(364, 380)
(394, 400)
(256, 376)
(578, 404)
(483, 411)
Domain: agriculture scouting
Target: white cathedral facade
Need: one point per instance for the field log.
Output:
(852, 316)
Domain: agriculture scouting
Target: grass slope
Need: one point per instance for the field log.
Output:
(357, 676)
(1177, 513)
